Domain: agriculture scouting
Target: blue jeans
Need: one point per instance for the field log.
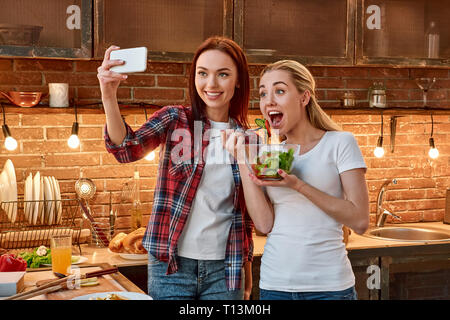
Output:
(347, 294)
(194, 280)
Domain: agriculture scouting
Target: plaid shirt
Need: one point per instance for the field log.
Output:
(176, 188)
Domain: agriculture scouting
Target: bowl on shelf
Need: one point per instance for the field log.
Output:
(19, 34)
(264, 160)
(24, 98)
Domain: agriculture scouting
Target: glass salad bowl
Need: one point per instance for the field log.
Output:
(264, 160)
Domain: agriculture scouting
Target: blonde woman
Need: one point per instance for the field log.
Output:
(303, 214)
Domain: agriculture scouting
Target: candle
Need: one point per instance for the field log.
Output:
(59, 95)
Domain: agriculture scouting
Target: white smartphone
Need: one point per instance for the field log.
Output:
(135, 60)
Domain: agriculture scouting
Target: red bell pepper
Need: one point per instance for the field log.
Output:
(9, 263)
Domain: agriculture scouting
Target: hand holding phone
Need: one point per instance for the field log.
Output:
(135, 60)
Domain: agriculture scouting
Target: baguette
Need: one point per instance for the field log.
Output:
(116, 244)
(132, 243)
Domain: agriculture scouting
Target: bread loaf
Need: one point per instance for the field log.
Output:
(132, 243)
(116, 244)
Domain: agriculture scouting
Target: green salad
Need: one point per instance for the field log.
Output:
(38, 256)
(269, 162)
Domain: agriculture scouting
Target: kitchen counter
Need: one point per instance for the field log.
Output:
(107, 283)
(356, 242)
(98, 255)
(359, 242)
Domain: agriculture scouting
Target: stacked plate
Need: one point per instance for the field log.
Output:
(37, 189)
(8, 190)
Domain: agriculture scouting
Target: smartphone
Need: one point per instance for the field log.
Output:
(135, 60)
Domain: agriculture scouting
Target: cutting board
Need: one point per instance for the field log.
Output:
(107, 283)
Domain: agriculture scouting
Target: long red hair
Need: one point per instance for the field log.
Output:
(239, 103)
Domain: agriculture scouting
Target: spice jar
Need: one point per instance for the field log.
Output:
(348, 100)
(377, 96)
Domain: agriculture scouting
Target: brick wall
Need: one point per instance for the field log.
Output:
(418, 196)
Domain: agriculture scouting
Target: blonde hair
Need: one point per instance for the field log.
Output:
(303, 81)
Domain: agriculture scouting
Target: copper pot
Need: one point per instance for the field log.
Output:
(24, 98)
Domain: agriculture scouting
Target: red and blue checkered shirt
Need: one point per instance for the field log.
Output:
(176, 187)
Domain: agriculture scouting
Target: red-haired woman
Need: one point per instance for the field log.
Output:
(199, 234)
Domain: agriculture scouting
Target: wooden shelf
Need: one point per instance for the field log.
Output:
(133, 109)
(386, 111)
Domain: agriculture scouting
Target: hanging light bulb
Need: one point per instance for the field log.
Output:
(10, 142)
(379, 151)
(433, 153)
(73, 141)
(150, 156)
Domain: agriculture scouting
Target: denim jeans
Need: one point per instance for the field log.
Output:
(347, 294)
(194, 280)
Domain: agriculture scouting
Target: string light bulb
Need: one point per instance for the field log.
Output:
(10, 142)
(379, 151)
(433, 153)
(150, 156)
(73, 141)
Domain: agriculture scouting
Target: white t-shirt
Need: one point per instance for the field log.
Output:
(304, 251)
(205, 234)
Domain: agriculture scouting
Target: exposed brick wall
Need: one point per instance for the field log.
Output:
(418, 196)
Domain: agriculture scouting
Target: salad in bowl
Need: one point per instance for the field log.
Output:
(264, 160)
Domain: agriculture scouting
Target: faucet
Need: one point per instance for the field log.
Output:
(381, 213)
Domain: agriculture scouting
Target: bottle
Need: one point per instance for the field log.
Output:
(136, 208)
(432, 41)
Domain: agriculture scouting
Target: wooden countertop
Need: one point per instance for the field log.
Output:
(356, 242)
(107, 283)
(97, 255)
(359, 242)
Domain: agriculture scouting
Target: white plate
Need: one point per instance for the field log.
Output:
(36, 196)
(80, 260)
(58, 204)
(28, 194)
(41, 214)
(4, 188)
(125, 294)
(131, 256)
(48, 195)
(9, 168)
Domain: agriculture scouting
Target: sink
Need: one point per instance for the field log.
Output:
(413, 234)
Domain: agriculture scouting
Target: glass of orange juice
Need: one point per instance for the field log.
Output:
(61, 250)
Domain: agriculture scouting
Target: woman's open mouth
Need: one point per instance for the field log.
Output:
(275, 118)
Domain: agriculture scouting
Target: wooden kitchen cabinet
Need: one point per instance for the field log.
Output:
(317, 32)
(403, 32)
(171, 30)
(48, 28)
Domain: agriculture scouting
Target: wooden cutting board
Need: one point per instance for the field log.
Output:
(107, 283)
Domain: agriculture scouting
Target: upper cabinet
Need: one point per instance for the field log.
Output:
(313, 32)
(171, 30)
(46, 28)
(403, 32)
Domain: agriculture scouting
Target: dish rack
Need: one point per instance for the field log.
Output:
(22, 233)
